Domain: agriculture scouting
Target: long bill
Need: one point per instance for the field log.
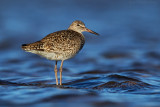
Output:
(88, 30)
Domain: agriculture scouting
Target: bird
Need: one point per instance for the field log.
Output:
(60, 45)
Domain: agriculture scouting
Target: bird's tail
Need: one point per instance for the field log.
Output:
(25, 47)
(33, 46)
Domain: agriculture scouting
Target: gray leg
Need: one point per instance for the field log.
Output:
(61, 68)
(55, 70)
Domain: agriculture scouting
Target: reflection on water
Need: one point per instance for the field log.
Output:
(119, 68)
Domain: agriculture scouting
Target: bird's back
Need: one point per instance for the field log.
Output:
(59, 45)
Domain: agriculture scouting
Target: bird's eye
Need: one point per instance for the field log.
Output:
(78, 24)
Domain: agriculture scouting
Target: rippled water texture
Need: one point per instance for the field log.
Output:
(120, 68)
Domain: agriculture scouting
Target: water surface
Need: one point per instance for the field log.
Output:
(119, 68)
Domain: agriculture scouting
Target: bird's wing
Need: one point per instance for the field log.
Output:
(60, 41)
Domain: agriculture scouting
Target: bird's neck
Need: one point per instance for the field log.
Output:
(76, 30)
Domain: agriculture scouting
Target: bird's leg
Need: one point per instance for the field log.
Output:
(55, 70)
(61, 68)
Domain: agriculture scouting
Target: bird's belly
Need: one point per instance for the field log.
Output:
(55, 55)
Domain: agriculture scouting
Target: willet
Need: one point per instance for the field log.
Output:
(60, 45)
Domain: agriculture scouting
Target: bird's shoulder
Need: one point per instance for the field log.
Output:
(61, 34)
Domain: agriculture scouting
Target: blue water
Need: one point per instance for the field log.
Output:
(119, 68)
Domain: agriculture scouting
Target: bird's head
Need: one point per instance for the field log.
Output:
(79, 26)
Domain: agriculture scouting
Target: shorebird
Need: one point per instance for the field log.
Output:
(60, 45)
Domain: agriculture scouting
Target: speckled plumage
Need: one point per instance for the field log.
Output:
(60, 45)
